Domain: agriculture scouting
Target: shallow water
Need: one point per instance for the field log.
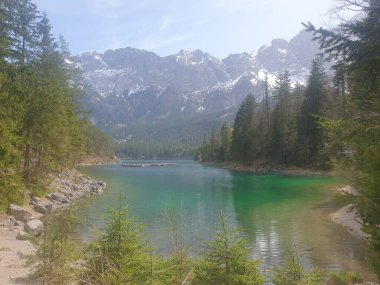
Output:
(274, 212)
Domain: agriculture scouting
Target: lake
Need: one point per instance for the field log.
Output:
(275, 212)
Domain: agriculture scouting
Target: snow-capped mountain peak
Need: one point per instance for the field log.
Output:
(133, 84)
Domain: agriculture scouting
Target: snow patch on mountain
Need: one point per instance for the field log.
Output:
(138, 85)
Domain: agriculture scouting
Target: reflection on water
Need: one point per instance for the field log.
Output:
(275, 213)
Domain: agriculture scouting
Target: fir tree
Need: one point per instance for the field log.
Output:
(242, 144)
(225, 259)
(310, 134)
(281, 118)
(120, 256)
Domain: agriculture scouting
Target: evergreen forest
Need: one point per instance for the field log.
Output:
(43, 127)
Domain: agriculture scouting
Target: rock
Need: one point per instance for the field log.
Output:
(21, 235)
(34, 227)
(17, 228)
(59, 198)
(20, 213)
(43, 207)
(75, 187)
(36, 199)
(40, 208)
(19, 223)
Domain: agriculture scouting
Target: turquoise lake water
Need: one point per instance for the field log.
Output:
(274, 212)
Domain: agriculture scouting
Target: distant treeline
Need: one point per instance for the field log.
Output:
(42, 125)
(153, 150)
(174, 138)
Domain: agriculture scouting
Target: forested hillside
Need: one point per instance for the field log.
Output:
(43, 128)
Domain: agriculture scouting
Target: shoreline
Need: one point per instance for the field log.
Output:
(264, 168)
(67, 188)
(348, 219)
(346, 216)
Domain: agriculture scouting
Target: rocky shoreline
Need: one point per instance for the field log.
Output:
(67, 188)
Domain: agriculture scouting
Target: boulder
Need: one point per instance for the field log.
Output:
(17, 228)
(43, 207)
(36, 200)
(21, 235)
(19, 223)
(20, 213)
(34, 227)
(59, 198)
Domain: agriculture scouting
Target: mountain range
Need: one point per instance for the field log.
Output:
(135, 94)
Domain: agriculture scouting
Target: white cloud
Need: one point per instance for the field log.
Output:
(152, 44)
(164, 24)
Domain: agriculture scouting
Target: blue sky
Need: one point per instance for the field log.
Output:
(219, 27)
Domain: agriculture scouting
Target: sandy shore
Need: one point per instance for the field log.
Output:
(350, 221)
(12, 270)
(347, 218)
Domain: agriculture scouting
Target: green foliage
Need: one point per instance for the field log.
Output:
(179, 265)
(97, 144)
(217, 149)
(345, 278)
(55, 253)
(283, 133)
(120, 256)
(136, 149)
(293, 273)
(40, 119)
(310, 136)
(225, 259)
(243, 143)
(356, 47)
(11, 190)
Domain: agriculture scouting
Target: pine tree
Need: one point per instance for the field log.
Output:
(225, 259)
(225, 142)
(243, 148)
(281, 118)
(23, 24)
(120, 256)
(54, 250)
(310, 134)
(292, 272)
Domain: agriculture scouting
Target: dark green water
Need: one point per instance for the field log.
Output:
(274, 212)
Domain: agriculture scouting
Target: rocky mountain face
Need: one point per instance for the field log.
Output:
(129, 87)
